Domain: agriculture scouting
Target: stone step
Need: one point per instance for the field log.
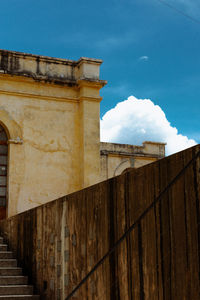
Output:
(12, 284)
(20, 297)
(15, 280)
(6, 254)
(8, 262)
(16, 290)
(3, 247)
(10, 271)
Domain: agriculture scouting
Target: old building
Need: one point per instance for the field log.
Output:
(132, 236)
(49, 140)
(49, 109)
(117, 158)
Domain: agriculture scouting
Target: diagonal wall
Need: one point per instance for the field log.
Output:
(58, 243)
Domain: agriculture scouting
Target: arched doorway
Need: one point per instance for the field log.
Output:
(3, 172)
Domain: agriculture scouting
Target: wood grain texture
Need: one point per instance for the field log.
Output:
(58, 243)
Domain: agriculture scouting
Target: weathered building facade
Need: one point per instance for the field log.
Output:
(49, 131)
(49, 109)
(117, 158)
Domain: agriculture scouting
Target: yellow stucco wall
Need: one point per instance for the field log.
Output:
(50, 110)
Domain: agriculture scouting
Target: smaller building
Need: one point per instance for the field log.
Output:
(116, 158)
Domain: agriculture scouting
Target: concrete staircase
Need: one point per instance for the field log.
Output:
(13, 285)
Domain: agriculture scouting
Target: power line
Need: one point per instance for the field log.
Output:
(179, 11)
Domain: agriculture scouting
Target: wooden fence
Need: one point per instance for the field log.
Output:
(57, 244)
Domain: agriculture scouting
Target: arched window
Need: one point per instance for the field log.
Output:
(3, 171)
(125, 164)
(126, 170)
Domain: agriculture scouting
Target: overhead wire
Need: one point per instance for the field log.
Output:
(178, 11)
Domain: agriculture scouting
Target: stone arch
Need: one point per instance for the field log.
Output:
(13, 130)
(125, 164)
(127, 169)
(15, 159)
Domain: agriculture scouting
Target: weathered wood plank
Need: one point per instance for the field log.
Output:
(60, 242)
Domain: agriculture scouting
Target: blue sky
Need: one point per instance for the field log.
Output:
(149, 50)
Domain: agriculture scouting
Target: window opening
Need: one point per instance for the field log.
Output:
(3, 171)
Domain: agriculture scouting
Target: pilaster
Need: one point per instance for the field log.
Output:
(89, 109)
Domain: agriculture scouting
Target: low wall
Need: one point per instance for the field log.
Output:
(58, 243)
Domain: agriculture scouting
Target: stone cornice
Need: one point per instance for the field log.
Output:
(63, 96)
(92, 83)
(141, 155)
(51, 70)
(51, 59)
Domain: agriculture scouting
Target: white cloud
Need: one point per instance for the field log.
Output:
(134, 121)
(144, 57)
